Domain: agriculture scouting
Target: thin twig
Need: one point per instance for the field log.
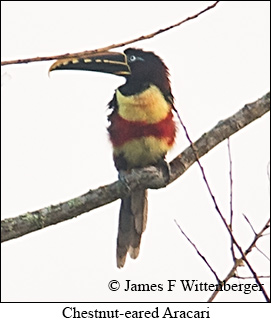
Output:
(257, 236)
(239, 262)
(262, 253)
(220, 214)
(231, 182)
(199, 253)
(255, 233)
(231, 198)
(240, 277)
(246, 218)
(88, 52)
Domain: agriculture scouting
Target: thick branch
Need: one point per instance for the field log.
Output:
(224, 129)
(148, 178)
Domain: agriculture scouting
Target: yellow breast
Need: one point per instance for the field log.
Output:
(143, 151)
(149, 106)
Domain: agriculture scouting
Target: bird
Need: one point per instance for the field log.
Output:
(141, 128)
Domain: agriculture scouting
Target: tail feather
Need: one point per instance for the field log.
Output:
(132, 223)
(139, 208)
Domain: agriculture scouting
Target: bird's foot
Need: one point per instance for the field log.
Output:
(165, 168)
(123, 179)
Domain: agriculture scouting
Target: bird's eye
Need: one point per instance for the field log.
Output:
(132, 58)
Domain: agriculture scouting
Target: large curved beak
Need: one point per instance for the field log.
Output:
(106, 62)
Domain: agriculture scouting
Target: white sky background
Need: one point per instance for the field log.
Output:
(55, 147)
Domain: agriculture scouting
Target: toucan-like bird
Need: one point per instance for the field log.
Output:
(141, 130)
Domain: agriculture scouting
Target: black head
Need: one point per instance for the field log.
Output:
(146, 68)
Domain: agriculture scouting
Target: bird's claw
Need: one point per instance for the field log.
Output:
(123, 179)
(165, 167)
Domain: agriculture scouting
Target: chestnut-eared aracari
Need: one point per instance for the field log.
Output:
(141, 129)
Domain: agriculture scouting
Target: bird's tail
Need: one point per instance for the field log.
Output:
(132, 223)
